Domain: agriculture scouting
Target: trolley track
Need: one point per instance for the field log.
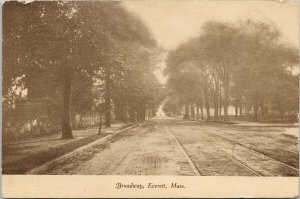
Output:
(292, 169)
(191, 163)
(254, 150)
(231, 158)
(275, 152)
(271, 145)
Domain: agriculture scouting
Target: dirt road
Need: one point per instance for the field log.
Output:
(169, 146)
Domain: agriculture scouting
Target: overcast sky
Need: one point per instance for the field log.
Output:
(175, 21)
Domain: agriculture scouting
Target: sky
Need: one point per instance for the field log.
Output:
(173, 22)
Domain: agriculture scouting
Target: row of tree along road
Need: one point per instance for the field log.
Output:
(66, 62)
(245, 65)
(76, 58)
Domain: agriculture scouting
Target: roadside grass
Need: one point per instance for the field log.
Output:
(22, 165)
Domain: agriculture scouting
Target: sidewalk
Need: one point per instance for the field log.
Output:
(258, 124)
(21, 156)
(291, 129)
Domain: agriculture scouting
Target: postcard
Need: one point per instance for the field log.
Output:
(150, 99)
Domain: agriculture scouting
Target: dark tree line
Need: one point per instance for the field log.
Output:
(244, 65)
(82, 56)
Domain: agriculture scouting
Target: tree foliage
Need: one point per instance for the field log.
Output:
(244, 64)
(60, 49)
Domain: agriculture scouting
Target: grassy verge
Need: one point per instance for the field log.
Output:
(22, 165)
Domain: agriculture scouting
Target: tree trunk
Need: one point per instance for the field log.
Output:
(226, 97)
(153, 111)
(262, 108)
(192, 111)
(201, 109)
(216, 107)
(143, 112)
(180, 110)
(216, 99)
(255, 109)
(198, 114)
(100, 123)
(206, 98)
(241, 109)
(186, 111)
(108, 97)
(236, 108)
(220, 106)
(66, 115)
(123, 108)
(149, 113)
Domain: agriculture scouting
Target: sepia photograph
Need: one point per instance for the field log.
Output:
(150, 88)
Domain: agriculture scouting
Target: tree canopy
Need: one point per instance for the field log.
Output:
(72, 44)
(240, 64)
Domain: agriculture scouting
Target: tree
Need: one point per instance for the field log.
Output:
(186, 79)
(136, 91)
(262, 59)
(64, 40)
(234, 64)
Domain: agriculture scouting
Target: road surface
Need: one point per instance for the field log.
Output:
(170, 146)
